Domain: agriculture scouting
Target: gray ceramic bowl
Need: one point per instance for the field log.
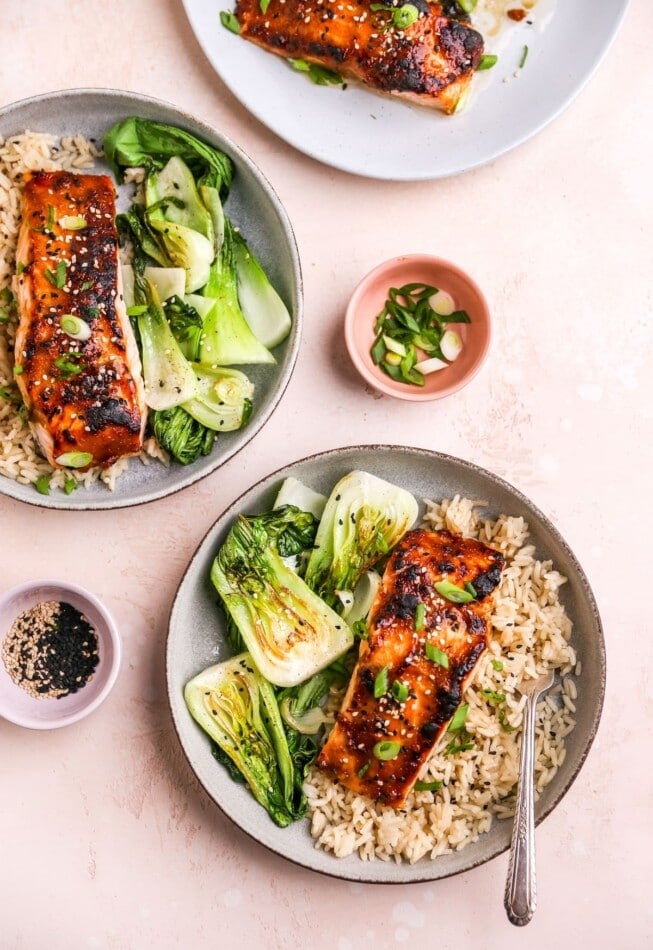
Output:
(252, 204)
(196, 640)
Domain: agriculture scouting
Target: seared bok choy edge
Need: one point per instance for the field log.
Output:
(290, 631)
(238, 709)
(182, 228)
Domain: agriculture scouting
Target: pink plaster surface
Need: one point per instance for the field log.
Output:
(106, 838)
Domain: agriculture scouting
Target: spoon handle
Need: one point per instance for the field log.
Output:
(521, 892)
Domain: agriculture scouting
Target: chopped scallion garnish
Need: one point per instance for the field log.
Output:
(70, 485)
(381, 683)
(420, 613)
(228, 20)
(487, 61)
(75, 327)
(386, 750)
(400, 691)
(72, 222)
(74, 459)
(428, 786)
(459, 718)
(436, 655)
(497, 665)
(42, 484)
(524, 57)
(494, 698)
(453, 593)
(58, 278)
(363, 769)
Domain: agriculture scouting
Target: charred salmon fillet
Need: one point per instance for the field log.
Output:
(412, 669)
(430, 61)
(83, 389)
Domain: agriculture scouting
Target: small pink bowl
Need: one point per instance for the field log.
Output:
(16, 704)
(368, 299)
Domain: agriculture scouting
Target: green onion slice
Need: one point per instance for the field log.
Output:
(72, 222)
(487, 61)
(459, 718)
(497, 665)
(386, 750)
(437, 656)
(428, 786)
(400, 691)
(228, 20)
(381, 683)
(70, 485)
(75, 327)
(453, 593)
(420, 613)
(492, 697)
(42, 484)
(74, 459)
(363, 769)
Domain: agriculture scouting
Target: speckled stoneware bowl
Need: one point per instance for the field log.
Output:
(252, 205)
(16, 704)
(196, 640)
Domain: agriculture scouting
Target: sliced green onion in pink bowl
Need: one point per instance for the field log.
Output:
(423, 344)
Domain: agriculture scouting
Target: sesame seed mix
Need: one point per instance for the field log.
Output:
(51, 650)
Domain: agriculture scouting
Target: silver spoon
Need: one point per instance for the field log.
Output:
(520, 897)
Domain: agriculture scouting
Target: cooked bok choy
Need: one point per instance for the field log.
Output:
(182, 436)
(235, 705)
(168, 376)
(364, 518)
(290, 632)
(223, 401)
(227, 338)
(140, 143)
(263, 308)
(300, 706)
(182, 287)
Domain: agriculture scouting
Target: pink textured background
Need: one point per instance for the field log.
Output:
(107, 841)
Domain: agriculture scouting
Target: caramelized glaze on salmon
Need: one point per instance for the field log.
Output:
(455, 634)
(431, 61)
(82, 395)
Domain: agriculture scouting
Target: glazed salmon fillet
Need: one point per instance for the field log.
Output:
(430, 61)
(429, 650)
(82, 395)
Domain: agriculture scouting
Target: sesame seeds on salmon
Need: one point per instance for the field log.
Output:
(429, 60)
(426, 644)
(83, 392)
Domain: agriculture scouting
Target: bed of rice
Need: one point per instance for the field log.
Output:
(20, 458)
(530, 634)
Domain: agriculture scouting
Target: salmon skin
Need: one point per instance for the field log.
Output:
(431, 61)
(82, 396)
(402, 634)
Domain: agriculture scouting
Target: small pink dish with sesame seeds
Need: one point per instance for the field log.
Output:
(89, 647)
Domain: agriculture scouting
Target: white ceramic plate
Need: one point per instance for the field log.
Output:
(196, 640)
(360, 132)
(252, 204)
